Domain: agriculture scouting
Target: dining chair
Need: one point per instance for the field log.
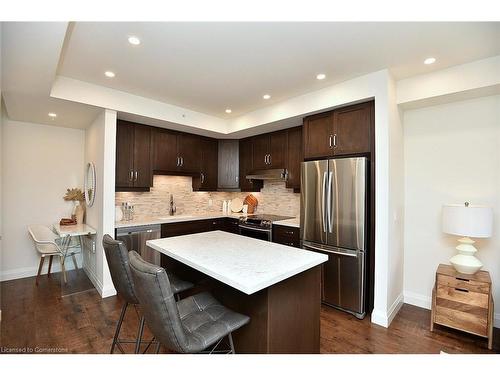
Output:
(118, 263)
(46, 245)
(191, 325)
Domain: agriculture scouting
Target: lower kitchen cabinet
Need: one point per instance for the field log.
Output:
(225, 224)
(285, 235)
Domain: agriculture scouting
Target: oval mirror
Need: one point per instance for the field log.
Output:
(90, 184)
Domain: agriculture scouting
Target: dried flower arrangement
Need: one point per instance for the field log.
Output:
(75, 194)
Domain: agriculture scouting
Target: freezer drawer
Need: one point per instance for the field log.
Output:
(342, 278)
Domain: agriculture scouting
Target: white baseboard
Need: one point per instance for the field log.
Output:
(384, 319)
(23, 272)
(108, 292)
(425, 302)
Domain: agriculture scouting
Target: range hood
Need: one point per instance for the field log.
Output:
(268, 174)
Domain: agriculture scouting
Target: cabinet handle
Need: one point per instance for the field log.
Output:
(462, 290)
(135, 175)
(330, 141)
(182, 161)
(265, 159)
(178, 162)
(131, 177)
(334, 140)
(202, 177)
(269, 158)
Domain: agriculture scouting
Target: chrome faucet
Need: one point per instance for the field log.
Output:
(172, 205)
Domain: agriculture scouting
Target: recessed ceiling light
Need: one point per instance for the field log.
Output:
(228, 110)
(321, 76)
(134, 40)
(429, 60)
(109, 74)
(52, 114)
(266, 96)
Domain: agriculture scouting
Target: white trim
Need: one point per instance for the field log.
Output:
(416, 299)
(23, 272)
(385, 319)
(104, 292)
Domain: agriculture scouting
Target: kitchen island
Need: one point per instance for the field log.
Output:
(277, 286)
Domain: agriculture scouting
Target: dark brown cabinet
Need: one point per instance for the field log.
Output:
(176, 152)
(246, 166)
(228, 175)
(207, 179)
(285, 235)
(294, 157)
(344, 131)
(269, 150)
(165, 157)
(133, 156)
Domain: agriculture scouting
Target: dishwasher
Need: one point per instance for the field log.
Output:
(135, 239)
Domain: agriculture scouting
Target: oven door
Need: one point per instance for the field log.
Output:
(258, 233)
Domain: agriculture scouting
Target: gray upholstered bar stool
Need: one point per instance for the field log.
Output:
(118, 262)
(191, 325)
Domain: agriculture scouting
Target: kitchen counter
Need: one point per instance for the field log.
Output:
(244, 263)
(180, 218)
(277, 286)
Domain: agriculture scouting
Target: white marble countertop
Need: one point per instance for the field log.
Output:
(73, 230)
(245, 263)
(192, 217)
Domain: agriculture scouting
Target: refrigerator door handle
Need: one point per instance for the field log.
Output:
(353, 255)
(325, 214)
(329, 202)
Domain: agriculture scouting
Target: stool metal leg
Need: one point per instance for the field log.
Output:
(118, 327)
(139, 336)
(230, 337)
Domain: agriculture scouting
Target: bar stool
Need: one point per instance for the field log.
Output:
(191, 325)
(118, 262)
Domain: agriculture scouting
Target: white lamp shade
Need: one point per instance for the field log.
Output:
(468, 221)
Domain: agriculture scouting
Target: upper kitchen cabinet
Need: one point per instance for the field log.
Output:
(344, 131)
(176, 153)
(246, 166)
(165, 157)
(228, 174)
(352, 128)
(295, 156)
(133, 156)
(207, 180)
(188, 150)
(269, 150)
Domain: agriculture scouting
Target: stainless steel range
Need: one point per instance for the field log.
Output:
(259, 226)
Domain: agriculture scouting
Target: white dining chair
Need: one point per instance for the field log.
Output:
(46, 245)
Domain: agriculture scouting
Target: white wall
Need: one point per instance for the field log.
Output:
(39, 163)
(100, 146)
(452, 155)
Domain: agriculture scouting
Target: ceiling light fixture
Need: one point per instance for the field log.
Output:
(321, 76)
(266, 96)
(429, 60)
(134, 40)
(109, 74)
(228, 110)
(52, 114)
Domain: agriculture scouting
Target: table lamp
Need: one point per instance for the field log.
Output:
(468, 221)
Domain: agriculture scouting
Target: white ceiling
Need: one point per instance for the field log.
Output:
(30, 55)
(208, 67)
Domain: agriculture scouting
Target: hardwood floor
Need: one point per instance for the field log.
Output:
(38, 319)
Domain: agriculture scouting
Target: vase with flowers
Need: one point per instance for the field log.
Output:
(78, 198)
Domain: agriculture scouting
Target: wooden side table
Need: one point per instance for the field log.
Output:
(463, 302)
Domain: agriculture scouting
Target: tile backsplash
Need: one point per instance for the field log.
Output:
(274, 198)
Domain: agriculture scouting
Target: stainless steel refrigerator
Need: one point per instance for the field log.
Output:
(333, 213)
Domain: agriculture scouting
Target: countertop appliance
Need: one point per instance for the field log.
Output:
(333, 221)
(259, 226)
(135, 239)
